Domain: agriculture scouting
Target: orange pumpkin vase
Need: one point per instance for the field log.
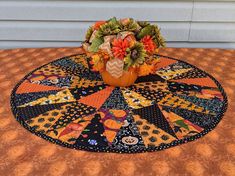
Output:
(128, 78)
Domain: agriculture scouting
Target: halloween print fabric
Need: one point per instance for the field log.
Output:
(66, 103)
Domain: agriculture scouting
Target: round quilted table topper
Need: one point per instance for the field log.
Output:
(67, 104)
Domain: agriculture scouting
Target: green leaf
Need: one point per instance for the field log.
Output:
(96, 42)
(143, 23)
(148, 30)
(89, 33)
(182, 124)
(113, 20)
(131, 26)
(157, 38)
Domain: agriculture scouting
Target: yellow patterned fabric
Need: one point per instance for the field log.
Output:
(50, 69)
(175, 101)
(60, 97)
(155, 85)
(171, 73)
(80, 82)
(44, 121)
(152, 135)
(135, 100)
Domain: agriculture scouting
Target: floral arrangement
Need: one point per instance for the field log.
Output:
(118, 46)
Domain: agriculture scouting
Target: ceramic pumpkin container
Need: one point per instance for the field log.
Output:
(121, 50)
(128, 78)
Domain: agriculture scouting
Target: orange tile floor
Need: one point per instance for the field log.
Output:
(22, 153)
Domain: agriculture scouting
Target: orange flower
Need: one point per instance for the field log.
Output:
(98, 24)
(149, 44)
(119, 48)
(145, 69)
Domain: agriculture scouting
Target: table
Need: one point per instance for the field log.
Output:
(197, 157)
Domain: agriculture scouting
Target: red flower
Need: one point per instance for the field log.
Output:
(98, 24)
(149, 44)
(119, 48)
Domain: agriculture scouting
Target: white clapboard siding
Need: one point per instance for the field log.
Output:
(212, 32)
(73, 31)
(95, 10)
(214, 11)
(37, 44)
(58, 23)
(230, 45)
